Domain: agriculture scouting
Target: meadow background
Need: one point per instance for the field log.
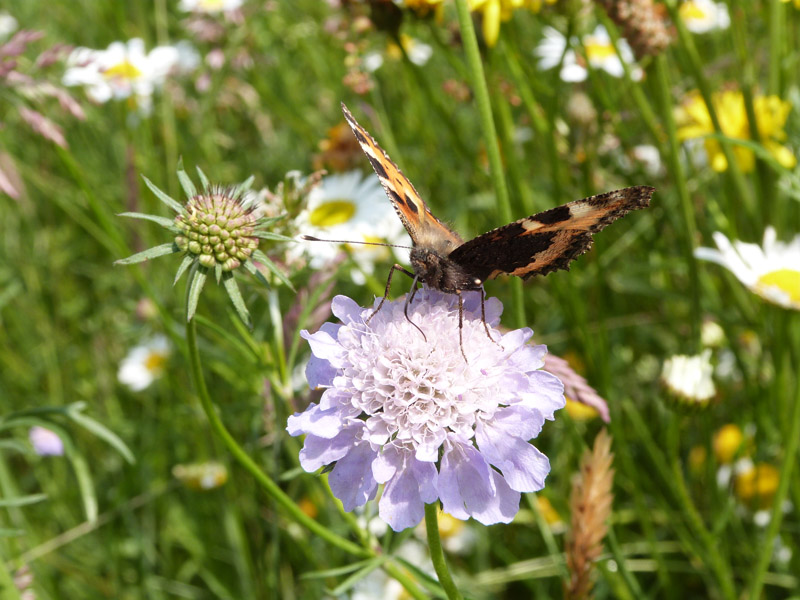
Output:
(137, 497)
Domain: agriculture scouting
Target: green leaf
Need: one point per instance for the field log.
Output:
(265, 222)
(251, 268)
(195, 287)
(229, 281)
(357, 576)
(185, 264)
(267, 235)
(100, 430)
(346, 569)
(154, 252)
(163, 221)
(21, 500)
(173, 204)
(186, 184)
(244, 186)
(262, 258)
(203, 178)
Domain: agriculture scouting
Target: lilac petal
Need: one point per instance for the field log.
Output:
(319, 373)
(351, 479)
(346, 310)
(548, 393)
(465, 482)
(522, 465)
(324, 345)
(403, 499)
(315, 421)
(516, 339)
(319, 451)
(387, 464)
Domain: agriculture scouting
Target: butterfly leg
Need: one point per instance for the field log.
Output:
(409, 298)
(461, 324)
(394, 268)
(483, 317)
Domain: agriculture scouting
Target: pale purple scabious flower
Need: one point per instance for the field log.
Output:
(45, 442)
(412, 414)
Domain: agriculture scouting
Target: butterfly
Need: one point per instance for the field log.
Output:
(535, 245)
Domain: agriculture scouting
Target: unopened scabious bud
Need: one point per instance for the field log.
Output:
(218, 229)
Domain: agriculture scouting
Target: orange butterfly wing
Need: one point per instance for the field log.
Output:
(549, 240)
(423, 227)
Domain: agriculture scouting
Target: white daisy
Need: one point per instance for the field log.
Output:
(123, 70)
(209, 6)
(702, 16)
(598, 49)
(349, 206)
(144, 363)
(771, 270)
(689, 377)
(8, 24)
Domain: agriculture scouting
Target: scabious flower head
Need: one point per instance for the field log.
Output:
(688, 378)
(694, 121)
(45, 442)
(217, 229)
(702, 16)
(144, 363)
(599, 52)
(771, 270)
(410, 412)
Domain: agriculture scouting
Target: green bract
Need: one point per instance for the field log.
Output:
(216, 229)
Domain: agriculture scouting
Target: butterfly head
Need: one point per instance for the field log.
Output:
(439, 272)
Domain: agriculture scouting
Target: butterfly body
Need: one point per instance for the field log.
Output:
(536, 245)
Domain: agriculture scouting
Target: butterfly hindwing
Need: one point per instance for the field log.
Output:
(547, 241)
(423, 227)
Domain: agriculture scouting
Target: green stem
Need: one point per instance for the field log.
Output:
(481, 90)
(269, 486)
(777, 29)
(678, 176)
(437, 554)
(789, 460)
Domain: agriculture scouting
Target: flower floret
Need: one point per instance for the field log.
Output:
(407, 411)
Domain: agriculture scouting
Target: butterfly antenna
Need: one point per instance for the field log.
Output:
(311, 238)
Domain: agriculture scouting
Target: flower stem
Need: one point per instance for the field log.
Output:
(789, 460)
(437, 555)
(687, 211)
(269, 486)
(481, 90)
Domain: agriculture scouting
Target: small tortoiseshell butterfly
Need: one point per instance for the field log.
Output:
(535, 245)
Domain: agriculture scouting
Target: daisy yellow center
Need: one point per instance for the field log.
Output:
(690, 11)
(598, 52)
(787, 280)
(210, 4)
(123, 70)
(334, 212)
(449, 526)
(155, 362)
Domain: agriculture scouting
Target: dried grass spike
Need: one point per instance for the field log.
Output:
(590, 505)
(643, 23)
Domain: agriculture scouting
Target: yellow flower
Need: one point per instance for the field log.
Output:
(757, 485)
(728, 443)
(496, 11)
(771, 112)
(581, 412)
(422, 8)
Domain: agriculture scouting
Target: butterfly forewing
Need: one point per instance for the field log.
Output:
(547, 241)
(423, 227)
